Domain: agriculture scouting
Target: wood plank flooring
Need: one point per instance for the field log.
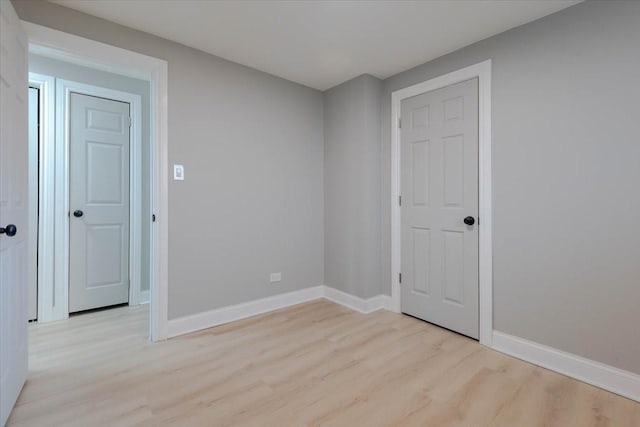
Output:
(312, 364)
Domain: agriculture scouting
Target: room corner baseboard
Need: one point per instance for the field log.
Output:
(219, 316)
(356, 303)
(208, 319)
(607, 377)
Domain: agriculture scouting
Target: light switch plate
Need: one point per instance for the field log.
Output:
(275, 277)
(178, 173)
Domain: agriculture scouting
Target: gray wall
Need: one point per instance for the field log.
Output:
(63, 70)
(566, 168)
(352, 186)
(252, 146)
(565, 157)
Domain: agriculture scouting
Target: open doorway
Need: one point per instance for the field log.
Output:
(90, 179)
(23, 37)
(83, 52)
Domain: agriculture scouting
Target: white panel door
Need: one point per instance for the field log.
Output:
(99, 202)
(439, 137)
(13, 208)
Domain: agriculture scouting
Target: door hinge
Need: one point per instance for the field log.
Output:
(399, 277)
(399, 200)
(130, 121)
(153, 217)
(399, 123)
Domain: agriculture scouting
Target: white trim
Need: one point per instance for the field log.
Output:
(32, 195)
(46, 141)
(60, 217)
(53, 43)
(208, 319)
(135, 202)
(616, 380)
(220, 316)
(356, 303)
(64, 88)
(482, 71)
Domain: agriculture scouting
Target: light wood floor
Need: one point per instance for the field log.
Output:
(313, 364)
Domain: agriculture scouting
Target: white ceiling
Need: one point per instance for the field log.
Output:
(322, 43)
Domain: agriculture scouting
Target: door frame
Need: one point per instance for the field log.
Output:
(64, 88)
(79, 50)
(481, 71)
(43, 227)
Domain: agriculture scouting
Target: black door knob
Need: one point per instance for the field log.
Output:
(78, 213)
(10, 230)
(469, 220)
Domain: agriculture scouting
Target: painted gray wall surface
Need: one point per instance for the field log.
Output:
(352, 186)
(565, 157)
(252, 147)
(566, 168)
(66, 71)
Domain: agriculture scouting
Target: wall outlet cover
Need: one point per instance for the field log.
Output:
(275, 277)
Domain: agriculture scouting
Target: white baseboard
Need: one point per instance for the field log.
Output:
(208, 319)
(607, 377)
(356, 303)
(144, 297)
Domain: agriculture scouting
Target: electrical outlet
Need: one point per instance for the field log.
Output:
(275, 277)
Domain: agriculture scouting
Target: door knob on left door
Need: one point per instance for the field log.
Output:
(469, 220)
(10, 230)
(78, 213)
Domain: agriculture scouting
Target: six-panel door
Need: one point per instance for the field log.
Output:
(439, 137)
(99, 202)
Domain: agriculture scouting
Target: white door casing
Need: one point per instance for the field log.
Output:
(99, 202)
(439, 137)
(42, 192)
(13, 208)
(32, 251)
